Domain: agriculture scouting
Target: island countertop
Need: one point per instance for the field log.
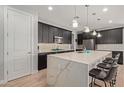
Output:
(82, 57)
(72, 69)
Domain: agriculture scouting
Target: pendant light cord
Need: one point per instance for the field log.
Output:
(87, 14)
(75, 12)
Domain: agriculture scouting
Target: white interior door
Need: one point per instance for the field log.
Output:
(19, 25)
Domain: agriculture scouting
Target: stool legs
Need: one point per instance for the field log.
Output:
(92, 82)
(105, 83)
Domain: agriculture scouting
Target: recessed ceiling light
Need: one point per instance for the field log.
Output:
(110, 21)
(105, 9)
(50, 8)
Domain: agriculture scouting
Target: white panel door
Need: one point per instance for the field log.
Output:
(18, 44)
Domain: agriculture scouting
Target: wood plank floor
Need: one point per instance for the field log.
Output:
(35, 80)
(39, 80)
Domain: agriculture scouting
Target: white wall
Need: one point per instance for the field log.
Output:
(1, 43)
(112, 47)
(34, 44)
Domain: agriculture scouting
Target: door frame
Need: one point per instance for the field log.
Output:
(6, 8)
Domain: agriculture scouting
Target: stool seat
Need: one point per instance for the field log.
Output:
(97, 73)
(104, 65)
(93, 72)
(108, 61)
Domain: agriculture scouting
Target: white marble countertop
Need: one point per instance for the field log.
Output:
(87, 58)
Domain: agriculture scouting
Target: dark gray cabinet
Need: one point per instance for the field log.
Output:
(84, 36)
(55, 31)
(51, 34)
(80, 39)
(42, 61)
(111, 36)
(46, 34)
(88, 36)
(60, 32)
(40, 32)
(67, 37)
(70, 37)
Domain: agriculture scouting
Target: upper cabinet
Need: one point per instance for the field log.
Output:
(80, 38)
(40, 33)
(67, 37)
(83, 36)
(51, 34)
(60, 32)
(46, 34)
(111, 36)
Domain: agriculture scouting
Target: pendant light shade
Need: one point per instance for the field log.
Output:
(75, 23)
(86, 29)
(94, 33)
(99, 35)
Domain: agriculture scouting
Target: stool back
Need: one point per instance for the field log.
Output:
(116, 59)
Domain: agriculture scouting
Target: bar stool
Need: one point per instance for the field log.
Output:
(105, 76)
(109, 62)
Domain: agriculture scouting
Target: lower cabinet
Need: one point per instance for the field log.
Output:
(42, 61)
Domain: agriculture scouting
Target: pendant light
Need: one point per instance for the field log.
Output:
(86, 28)
(99, 35)
(94, 33)
(74, 21)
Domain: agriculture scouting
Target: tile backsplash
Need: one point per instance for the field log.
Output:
(47, 47)
(112, 47)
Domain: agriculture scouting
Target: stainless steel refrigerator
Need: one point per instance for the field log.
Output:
(89, 44)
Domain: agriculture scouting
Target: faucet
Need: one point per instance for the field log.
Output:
(84, 48)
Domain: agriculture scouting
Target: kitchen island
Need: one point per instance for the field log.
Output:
(72, 69)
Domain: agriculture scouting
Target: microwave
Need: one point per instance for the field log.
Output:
(58, 39)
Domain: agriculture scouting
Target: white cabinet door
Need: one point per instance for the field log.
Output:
(19, 25)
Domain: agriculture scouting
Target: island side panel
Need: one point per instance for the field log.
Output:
(64, 73)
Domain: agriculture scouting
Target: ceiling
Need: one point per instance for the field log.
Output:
(62, 15)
